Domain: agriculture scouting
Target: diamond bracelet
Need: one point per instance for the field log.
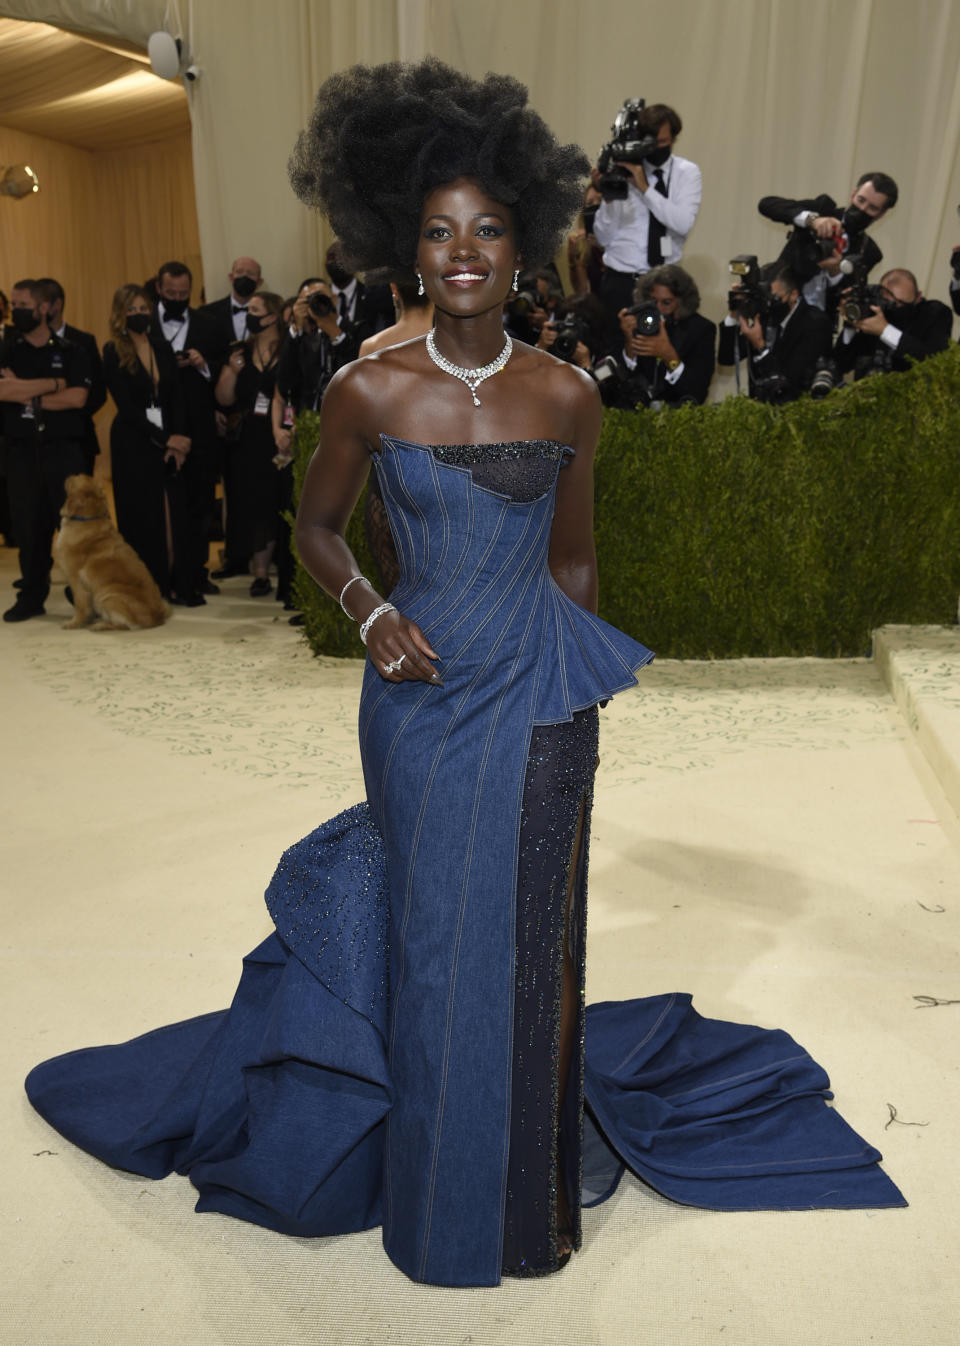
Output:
(377, 612)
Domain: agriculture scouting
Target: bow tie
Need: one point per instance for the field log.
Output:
(239, 308)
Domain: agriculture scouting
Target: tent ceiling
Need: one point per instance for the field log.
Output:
(69, 88)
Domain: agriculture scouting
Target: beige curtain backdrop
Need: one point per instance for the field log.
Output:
(99, 220)
(775, 97)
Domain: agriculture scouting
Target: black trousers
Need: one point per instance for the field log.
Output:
(36, 472)
(192, 523)
(616, 292)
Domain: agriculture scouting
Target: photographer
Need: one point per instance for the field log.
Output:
(824, 234)
(666, 340)
(781, 335)
(317, 348)
(646, 215)
(902, 326)
(532, 305)
(575, 332)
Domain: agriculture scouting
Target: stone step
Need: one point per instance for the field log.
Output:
(921, 667)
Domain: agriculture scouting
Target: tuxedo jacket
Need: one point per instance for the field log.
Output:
(926, 328)
(694, 339)
(217, 319)
(198, 398)
(373, 311)
(801, 251)
(308, 362)
(793, 351)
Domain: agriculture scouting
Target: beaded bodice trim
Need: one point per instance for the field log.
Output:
(521, 469)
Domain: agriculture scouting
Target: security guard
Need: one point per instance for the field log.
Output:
(44, 383)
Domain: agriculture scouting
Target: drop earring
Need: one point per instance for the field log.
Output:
(516, 280)
(420, 290)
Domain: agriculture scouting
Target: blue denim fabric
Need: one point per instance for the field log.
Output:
(363, 1070)
(444, 769)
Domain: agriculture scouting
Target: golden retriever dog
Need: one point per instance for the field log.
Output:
(108, 579)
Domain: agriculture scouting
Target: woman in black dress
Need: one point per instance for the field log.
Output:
(147, 443)
(256, 485)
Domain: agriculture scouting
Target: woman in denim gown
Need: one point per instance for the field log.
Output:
(408, 1048)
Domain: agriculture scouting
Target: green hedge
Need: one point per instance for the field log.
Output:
(742, 529)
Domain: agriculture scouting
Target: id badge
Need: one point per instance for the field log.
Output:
(155, 415)
(261, 406)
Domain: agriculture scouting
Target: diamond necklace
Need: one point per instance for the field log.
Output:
(471, 377)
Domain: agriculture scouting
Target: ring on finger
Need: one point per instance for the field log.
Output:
(394, 665)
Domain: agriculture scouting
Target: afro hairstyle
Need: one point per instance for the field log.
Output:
(382, 137)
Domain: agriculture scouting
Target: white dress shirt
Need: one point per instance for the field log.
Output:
(175, 332)
(621, 227)
(239, 319)
(350, 294)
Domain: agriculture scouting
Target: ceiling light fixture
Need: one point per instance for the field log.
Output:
(19, 181)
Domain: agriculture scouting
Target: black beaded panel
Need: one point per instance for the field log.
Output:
(521, 469)
(558, 790)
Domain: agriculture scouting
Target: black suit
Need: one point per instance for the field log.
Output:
(219, 332)
(801, 252)
(308, 362)
(372, 312)
(694, 340)
(926, 328)
(792, 351)
(202, 467)
(98, 388)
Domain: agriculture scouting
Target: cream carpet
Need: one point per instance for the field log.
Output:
(766, 835)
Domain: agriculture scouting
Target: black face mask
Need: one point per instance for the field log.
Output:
(138, 323)
(778, 310)
(340, 278)
(255, 322)
(25, 320)
(660, 156)
(855, 220)
(899, 315)
(175, 308)
(244, 286)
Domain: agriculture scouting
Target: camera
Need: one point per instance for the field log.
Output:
(854, 221)
(631, 141)
(570, 332)
(649, 319)
(860, 300)
(880, 362)
(775, 389)
(618, 388)
(826, 377)
(526, 299)
(753, 296)
(320, 304)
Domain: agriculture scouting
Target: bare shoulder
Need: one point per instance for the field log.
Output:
(567, 384)
(361, 391)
